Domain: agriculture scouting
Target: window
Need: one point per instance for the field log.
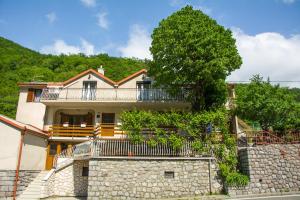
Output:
(89, 90)
(53, 149)
(85, 171)
(169, 174)
(34, 95)
(108, 118)
(143, 90)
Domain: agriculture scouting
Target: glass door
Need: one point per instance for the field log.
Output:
(143, 90)
(89, 90)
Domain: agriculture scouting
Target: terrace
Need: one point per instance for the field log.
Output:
(110, 95)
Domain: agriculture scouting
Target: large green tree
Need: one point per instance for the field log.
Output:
(272, 106)
(192, 50)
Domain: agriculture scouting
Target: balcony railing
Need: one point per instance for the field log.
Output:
(111, 94)
(104, 129)
(71, 131)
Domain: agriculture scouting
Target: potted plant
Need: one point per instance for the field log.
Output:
(66, 124)
(83, 124)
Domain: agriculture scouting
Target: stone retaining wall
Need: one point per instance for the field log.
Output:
(7, 179)
(67, 181)
(152, 178)
(271, 168)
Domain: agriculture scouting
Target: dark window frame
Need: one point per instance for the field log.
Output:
(85, 171)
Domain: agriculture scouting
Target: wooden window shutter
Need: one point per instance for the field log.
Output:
(30, 95)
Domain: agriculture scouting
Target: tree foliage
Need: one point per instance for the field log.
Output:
(18, 64)
(191, 49)
(272, 106)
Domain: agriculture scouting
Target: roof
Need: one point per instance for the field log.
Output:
(96, 73)
(131, 76)
(87, 72)
(21, 126)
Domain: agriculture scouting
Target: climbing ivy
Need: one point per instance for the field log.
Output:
(208, 131)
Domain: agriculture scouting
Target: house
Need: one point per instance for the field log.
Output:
(88, 105)
(23, 154)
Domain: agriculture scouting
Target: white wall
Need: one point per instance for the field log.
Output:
(132, 82)
(34, 153)
(79, 82)
(9, 146)
(30, 112)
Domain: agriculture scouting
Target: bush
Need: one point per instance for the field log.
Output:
(186, 126)
(237, 179)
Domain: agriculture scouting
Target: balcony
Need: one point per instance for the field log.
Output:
(86, 131)
(110, 95)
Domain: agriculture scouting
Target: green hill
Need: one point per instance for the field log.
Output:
(18, 64)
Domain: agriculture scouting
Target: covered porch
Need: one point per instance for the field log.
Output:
(82, 124)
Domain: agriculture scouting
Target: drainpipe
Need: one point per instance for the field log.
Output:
(209, 175)
(19, 163)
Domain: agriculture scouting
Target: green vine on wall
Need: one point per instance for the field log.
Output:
(208, 131)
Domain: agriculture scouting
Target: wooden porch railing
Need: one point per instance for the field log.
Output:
(109, 129)
(104, 129)
(72, 131)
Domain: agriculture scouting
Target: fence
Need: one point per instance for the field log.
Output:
(111, 94)
(127, 148)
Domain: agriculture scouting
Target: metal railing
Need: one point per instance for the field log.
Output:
(111, 94)
(122, 148)
(266, 137)
(77, 151)
(127, 148)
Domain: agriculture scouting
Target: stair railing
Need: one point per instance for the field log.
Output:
(77, 151)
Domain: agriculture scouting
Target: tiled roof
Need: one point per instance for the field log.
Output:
(108, 80)
(131, 76)
(22, 126)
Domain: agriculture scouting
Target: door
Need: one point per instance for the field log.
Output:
(51, 152)
(108, 124)
(89, 90)
(53, 149)
(144, 90)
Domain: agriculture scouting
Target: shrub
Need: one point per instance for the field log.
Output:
(237, 179)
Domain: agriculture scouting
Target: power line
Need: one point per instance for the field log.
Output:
(267, 81)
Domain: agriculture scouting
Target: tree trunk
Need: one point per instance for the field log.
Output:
(198, 103)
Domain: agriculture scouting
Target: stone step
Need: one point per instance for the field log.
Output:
(33, 191)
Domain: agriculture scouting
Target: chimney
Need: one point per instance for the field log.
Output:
(101, 70)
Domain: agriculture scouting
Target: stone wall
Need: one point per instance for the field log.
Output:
(272, 169)
(7, 179)
(151, 178)
(67, 181)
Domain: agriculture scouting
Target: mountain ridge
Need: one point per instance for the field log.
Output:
(21, 64)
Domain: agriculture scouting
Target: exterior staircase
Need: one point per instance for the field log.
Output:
(33, 191)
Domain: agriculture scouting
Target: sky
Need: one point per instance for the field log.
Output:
(267, 32)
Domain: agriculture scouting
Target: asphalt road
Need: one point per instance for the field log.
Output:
(281, 197)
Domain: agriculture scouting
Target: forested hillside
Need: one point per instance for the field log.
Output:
(18, 64)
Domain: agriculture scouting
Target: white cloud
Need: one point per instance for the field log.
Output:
(89, 3)
(204, 9)
(176, 3)
(102, 20)
(61, 47)
(268, 54)
(87, 48)
(196, 6)
(138, 43)
(51, 17)
(288, 1)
